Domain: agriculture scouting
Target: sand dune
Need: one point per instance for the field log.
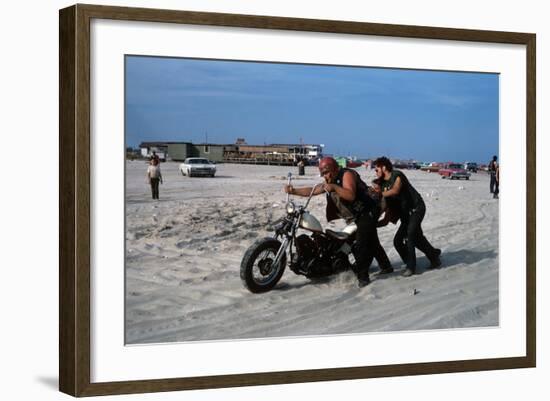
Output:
(183, 254)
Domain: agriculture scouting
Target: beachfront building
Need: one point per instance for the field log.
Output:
(303, 151)
(277, 154)
(179, 151)
(259, 154)
(239, 152)
(213, 152)
(159, 148)
(176, 151)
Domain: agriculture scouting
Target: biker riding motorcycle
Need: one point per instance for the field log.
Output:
(348, 198)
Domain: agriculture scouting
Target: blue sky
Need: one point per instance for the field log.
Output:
(363, 112)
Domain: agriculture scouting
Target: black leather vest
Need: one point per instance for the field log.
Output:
(350, 211)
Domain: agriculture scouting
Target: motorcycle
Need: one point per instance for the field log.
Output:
(319, 254)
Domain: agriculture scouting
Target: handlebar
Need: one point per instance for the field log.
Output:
(289, 176)
(311, 194)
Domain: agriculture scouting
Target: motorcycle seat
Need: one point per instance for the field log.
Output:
(337, 234)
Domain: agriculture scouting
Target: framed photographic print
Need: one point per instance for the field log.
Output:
(190, 258)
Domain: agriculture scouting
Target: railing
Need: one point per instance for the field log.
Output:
(260, 160)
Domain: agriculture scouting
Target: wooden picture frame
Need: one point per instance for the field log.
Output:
(75, 209)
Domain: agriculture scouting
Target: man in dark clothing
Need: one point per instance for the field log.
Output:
(347, 198)
(389, 208)
(411, 208)
(154, 156)
(493, 185)
(497, 179)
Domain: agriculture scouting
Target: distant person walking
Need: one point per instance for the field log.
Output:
(497, 179)
(397, 188)
(154, 156)
(301, 167)
(154, 176)
(493, 185)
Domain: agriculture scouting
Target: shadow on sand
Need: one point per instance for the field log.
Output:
(466, 256)
(448, 259)
(314, 281)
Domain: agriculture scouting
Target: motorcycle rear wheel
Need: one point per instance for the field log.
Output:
(257, 271)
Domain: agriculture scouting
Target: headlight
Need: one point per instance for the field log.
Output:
(290, 207)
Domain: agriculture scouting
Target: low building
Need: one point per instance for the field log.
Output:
(159, 148)
(240, 152)
(179, 151)
(212, 151)
(303, 151)
(278, 154)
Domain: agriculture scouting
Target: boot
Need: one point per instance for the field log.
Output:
(386, 270)
(435, 262)
(363, 279)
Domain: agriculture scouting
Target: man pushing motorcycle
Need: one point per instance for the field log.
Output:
(348, 198)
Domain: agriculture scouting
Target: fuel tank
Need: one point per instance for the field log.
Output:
(309, 222)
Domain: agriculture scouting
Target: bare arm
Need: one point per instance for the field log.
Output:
(346, 191)
(303, 191)
(394, 190)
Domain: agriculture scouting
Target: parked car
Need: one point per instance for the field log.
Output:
(433, 167)
(194, 166)
(423, 166)
(454, 172)
(471, 166)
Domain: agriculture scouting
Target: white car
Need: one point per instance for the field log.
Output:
(194, 166)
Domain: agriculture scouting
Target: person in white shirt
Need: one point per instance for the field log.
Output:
(154, 176)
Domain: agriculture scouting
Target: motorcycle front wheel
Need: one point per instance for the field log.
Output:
(258, 273)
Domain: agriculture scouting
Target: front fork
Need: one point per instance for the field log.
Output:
(287, 241)
(281, 251)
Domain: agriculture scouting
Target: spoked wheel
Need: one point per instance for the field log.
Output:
(258, 271)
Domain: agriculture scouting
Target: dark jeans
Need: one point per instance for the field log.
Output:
(155, 187)
(380, 255)
(367, 245)
(493, 185)
(410, 236)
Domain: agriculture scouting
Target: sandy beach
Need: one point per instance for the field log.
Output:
(183, 254)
